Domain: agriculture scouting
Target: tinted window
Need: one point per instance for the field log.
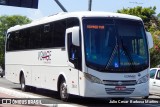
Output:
(23, 40)
(59, 33)
(72, 22)
(35, 37)
(13, 41)
(40, 36)
(47, 36)
(9, 42)
(152, 73)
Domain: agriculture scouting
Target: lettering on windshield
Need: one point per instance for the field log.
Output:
(127, 63)
(95, 27)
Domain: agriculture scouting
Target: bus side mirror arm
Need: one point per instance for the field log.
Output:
(150, 40)
(75, 36)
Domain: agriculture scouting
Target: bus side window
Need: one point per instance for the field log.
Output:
(69, 45)
(72, 51)
(14, 41)
(46, 36)
(35, 37)
(72, 22)
(59, 33)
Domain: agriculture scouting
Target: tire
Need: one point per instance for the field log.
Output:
(2, 76)
(63, 91)
(33, 89)
(23, 85)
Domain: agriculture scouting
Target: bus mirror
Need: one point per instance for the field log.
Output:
(75, 36)
(150, 40)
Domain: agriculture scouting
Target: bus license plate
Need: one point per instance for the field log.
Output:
(120, 88)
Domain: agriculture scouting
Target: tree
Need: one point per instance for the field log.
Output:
(147, 14)
(5, 23)
(155, 51)
(158, 16)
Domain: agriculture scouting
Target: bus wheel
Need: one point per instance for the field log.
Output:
(23, 85)
(63, 91)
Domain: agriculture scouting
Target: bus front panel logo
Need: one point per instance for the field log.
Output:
(120, 83)
(130, 76)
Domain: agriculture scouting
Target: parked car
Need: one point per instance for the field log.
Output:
(154, 84)
(1, 72)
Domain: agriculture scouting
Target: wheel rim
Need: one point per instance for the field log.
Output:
(63, 91)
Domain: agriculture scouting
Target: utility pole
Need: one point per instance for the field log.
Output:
(89, 5)
(60, 5)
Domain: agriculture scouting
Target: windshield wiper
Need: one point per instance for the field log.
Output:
(112, 55)
(128, 55)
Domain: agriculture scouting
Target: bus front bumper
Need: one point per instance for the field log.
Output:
(103, 91)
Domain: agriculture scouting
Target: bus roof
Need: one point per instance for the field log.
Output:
(79, 15)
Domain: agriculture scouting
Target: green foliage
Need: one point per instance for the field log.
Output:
(158, 17)
(5, 23)
(9, 21)
(144, 13)
(155, 51)
(147, 14)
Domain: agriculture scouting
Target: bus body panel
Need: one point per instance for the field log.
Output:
(101, 90)
(41, 72)
(38, 67)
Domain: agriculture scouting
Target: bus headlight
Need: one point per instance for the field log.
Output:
(143, 79)
(92, 78)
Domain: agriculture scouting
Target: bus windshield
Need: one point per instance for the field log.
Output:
(115, 45)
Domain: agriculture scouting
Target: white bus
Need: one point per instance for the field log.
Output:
(89, 54)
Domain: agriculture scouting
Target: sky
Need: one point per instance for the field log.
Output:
(49, 7)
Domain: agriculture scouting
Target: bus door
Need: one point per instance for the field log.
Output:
(74, 59)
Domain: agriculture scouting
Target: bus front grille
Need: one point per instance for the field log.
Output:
(119, 82)
(113, 91)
